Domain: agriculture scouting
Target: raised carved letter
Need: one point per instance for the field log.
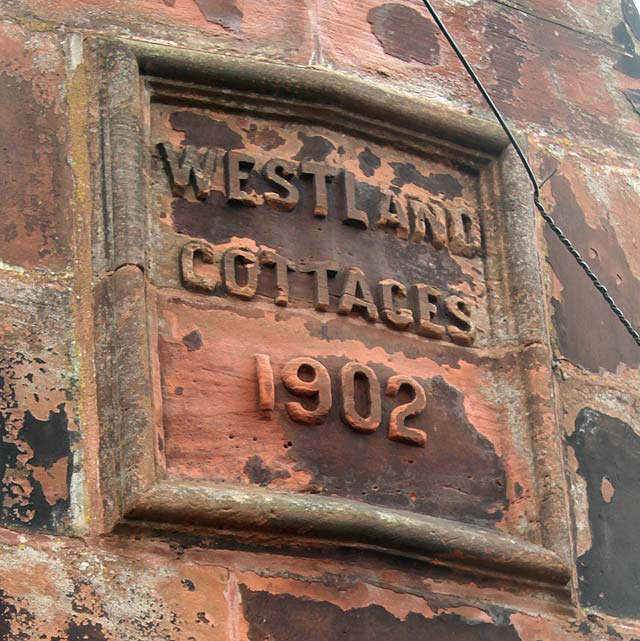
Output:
(195, 166)
(398, 431)
(316, 383)
(187, 258)
(283, 267)
(356, 293)
(266, 387)
(351, 214)
(246, 258)
(399, 318)
(277, 171)
(464, 232)
(321, 272)
(464, 331)
(426, 299)
(392, 213)
(429, 221)
(321, 175)
(350, 413)
(239, 167)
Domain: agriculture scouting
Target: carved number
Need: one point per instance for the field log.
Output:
(308, 378)
(350, 413)
(319, 385)
(266, 388)
(398, 431)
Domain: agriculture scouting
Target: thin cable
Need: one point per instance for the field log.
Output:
(534, 181)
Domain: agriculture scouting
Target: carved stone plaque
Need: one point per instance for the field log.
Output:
(300, 272)
(338, 308)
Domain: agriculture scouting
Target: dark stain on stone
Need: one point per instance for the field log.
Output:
(506, 54)
(613, 633)
(170, 3)
(405, 34)
(8, 614)
(86, 630)
(629, 61)
(264, 137)
(519, 490)
(260, 473)
(411, 346)
(610, 571)
(189, 585)
(379, 253)
(15, 623)
(588, 333)
(49, 439)
(584, 627)
(315, 148)
(369, 162)
(631, 16)
(223, 12)
(9, 453)
(283, 617)
(10, 232)
(443, 185)
(457, 475)
(633, 96)
(201, 131)
(192, 341)
(79, 604)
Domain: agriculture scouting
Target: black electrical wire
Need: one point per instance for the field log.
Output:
(532, 177)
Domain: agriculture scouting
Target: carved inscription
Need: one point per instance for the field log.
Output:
(251, 181)
(454, 228)
(398, 431)
(326, 310)
(309, 379)
(354, 296)
(351, 414)
(266, 387)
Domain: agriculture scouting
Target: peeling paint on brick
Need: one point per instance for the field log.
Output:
(586, 329)
(404, 33)
(223, 12)
(205, 132)
(283, 617)
(608, 450)
(314, 148)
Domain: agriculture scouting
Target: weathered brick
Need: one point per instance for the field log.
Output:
(35, 230)
(38, 386)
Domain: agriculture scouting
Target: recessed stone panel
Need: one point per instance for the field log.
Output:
(324, 312)
(285, 240)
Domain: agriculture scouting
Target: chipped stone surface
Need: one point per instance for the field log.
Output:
(37, 390)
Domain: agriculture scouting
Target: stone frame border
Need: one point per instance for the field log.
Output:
(128, 72)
